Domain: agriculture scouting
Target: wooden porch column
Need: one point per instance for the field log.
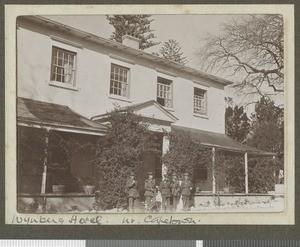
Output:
(275, 177)
(44, 176)
(165, 149)
(246, 174)
(213, 170)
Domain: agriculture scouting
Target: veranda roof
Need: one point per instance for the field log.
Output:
(221, 141)
(40, 114)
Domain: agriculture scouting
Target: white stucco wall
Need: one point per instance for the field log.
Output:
(91, 96)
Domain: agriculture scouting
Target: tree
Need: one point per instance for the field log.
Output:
(251, 48)
(171, 50)
(120, 152)
(237, 124)
(185, 154)
(267, 128)
(134, 25)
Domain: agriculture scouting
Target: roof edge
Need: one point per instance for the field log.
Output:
(132, 51)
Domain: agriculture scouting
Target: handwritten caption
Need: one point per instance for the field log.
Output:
(77, 219)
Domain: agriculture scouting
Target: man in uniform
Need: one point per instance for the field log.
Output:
(165, 190)
(150, 190)
(186, 187)
(175, 189)
(132, 192)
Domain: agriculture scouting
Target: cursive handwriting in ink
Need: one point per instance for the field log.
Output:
(170, 220)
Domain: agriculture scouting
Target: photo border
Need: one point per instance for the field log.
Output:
(177, 233)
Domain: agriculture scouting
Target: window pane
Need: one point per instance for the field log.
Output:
(164, 96)
(62, 66)
(118, 80)
(199, 101)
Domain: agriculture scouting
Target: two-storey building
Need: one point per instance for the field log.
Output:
(68, 79)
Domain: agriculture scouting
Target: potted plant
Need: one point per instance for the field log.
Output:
(88, 185)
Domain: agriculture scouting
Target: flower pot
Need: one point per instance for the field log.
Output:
(89, 189)
(58, 189)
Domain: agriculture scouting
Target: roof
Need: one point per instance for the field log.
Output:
(140, 106)
(125, 49)
(221, 141)
(40, 114)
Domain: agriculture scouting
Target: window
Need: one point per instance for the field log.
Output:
(164, 92)
(119, 84)
(200, 101)
(63, 66)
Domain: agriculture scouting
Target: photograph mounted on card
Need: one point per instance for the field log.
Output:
(160, 118)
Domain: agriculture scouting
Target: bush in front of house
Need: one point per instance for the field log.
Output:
(186, 154)
(261, 174)
(118, 153)
(230, 172)
(231, 169)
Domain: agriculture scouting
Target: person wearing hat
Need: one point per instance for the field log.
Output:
(186, 187)
(150, 189)
(132, 191)
(165, 190)
(175, 189)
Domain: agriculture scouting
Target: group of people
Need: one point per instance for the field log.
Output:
(169, 188)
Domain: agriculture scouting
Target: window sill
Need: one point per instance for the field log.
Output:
(63, 85)
(116, 97)
(200, 116)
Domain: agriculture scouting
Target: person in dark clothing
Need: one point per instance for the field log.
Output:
(165, 190)
(175, 189)
(150, 189)
(132, 192)
(186, 187)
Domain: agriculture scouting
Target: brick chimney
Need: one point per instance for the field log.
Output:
(131, 41)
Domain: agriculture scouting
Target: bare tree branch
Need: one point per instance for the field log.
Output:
(250, 48)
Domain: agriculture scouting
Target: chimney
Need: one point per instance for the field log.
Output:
(131, 41)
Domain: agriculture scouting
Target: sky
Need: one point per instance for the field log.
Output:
(185, 29)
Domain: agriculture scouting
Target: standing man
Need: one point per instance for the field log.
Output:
(132, 192)
(175, 189)
(150, 190)
(165, 190)
(186, 187)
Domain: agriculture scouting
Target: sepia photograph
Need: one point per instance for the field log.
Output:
(149, 115)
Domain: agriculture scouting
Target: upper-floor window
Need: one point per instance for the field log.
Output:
(63, 66)
(200, 105)
(119, 81)
(164, 92)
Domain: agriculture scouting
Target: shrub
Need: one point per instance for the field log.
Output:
(260, 172)
(120, 152)
(185, 154)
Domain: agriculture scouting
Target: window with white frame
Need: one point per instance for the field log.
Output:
(119, 81)
(164, 92)
(200, 104)
(63, 66)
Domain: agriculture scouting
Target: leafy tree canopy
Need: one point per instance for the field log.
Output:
(237, 124)
(267, 128)
(250, 47)
(171, 50)
(185, 153)
(120, 152)
(134, 25)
